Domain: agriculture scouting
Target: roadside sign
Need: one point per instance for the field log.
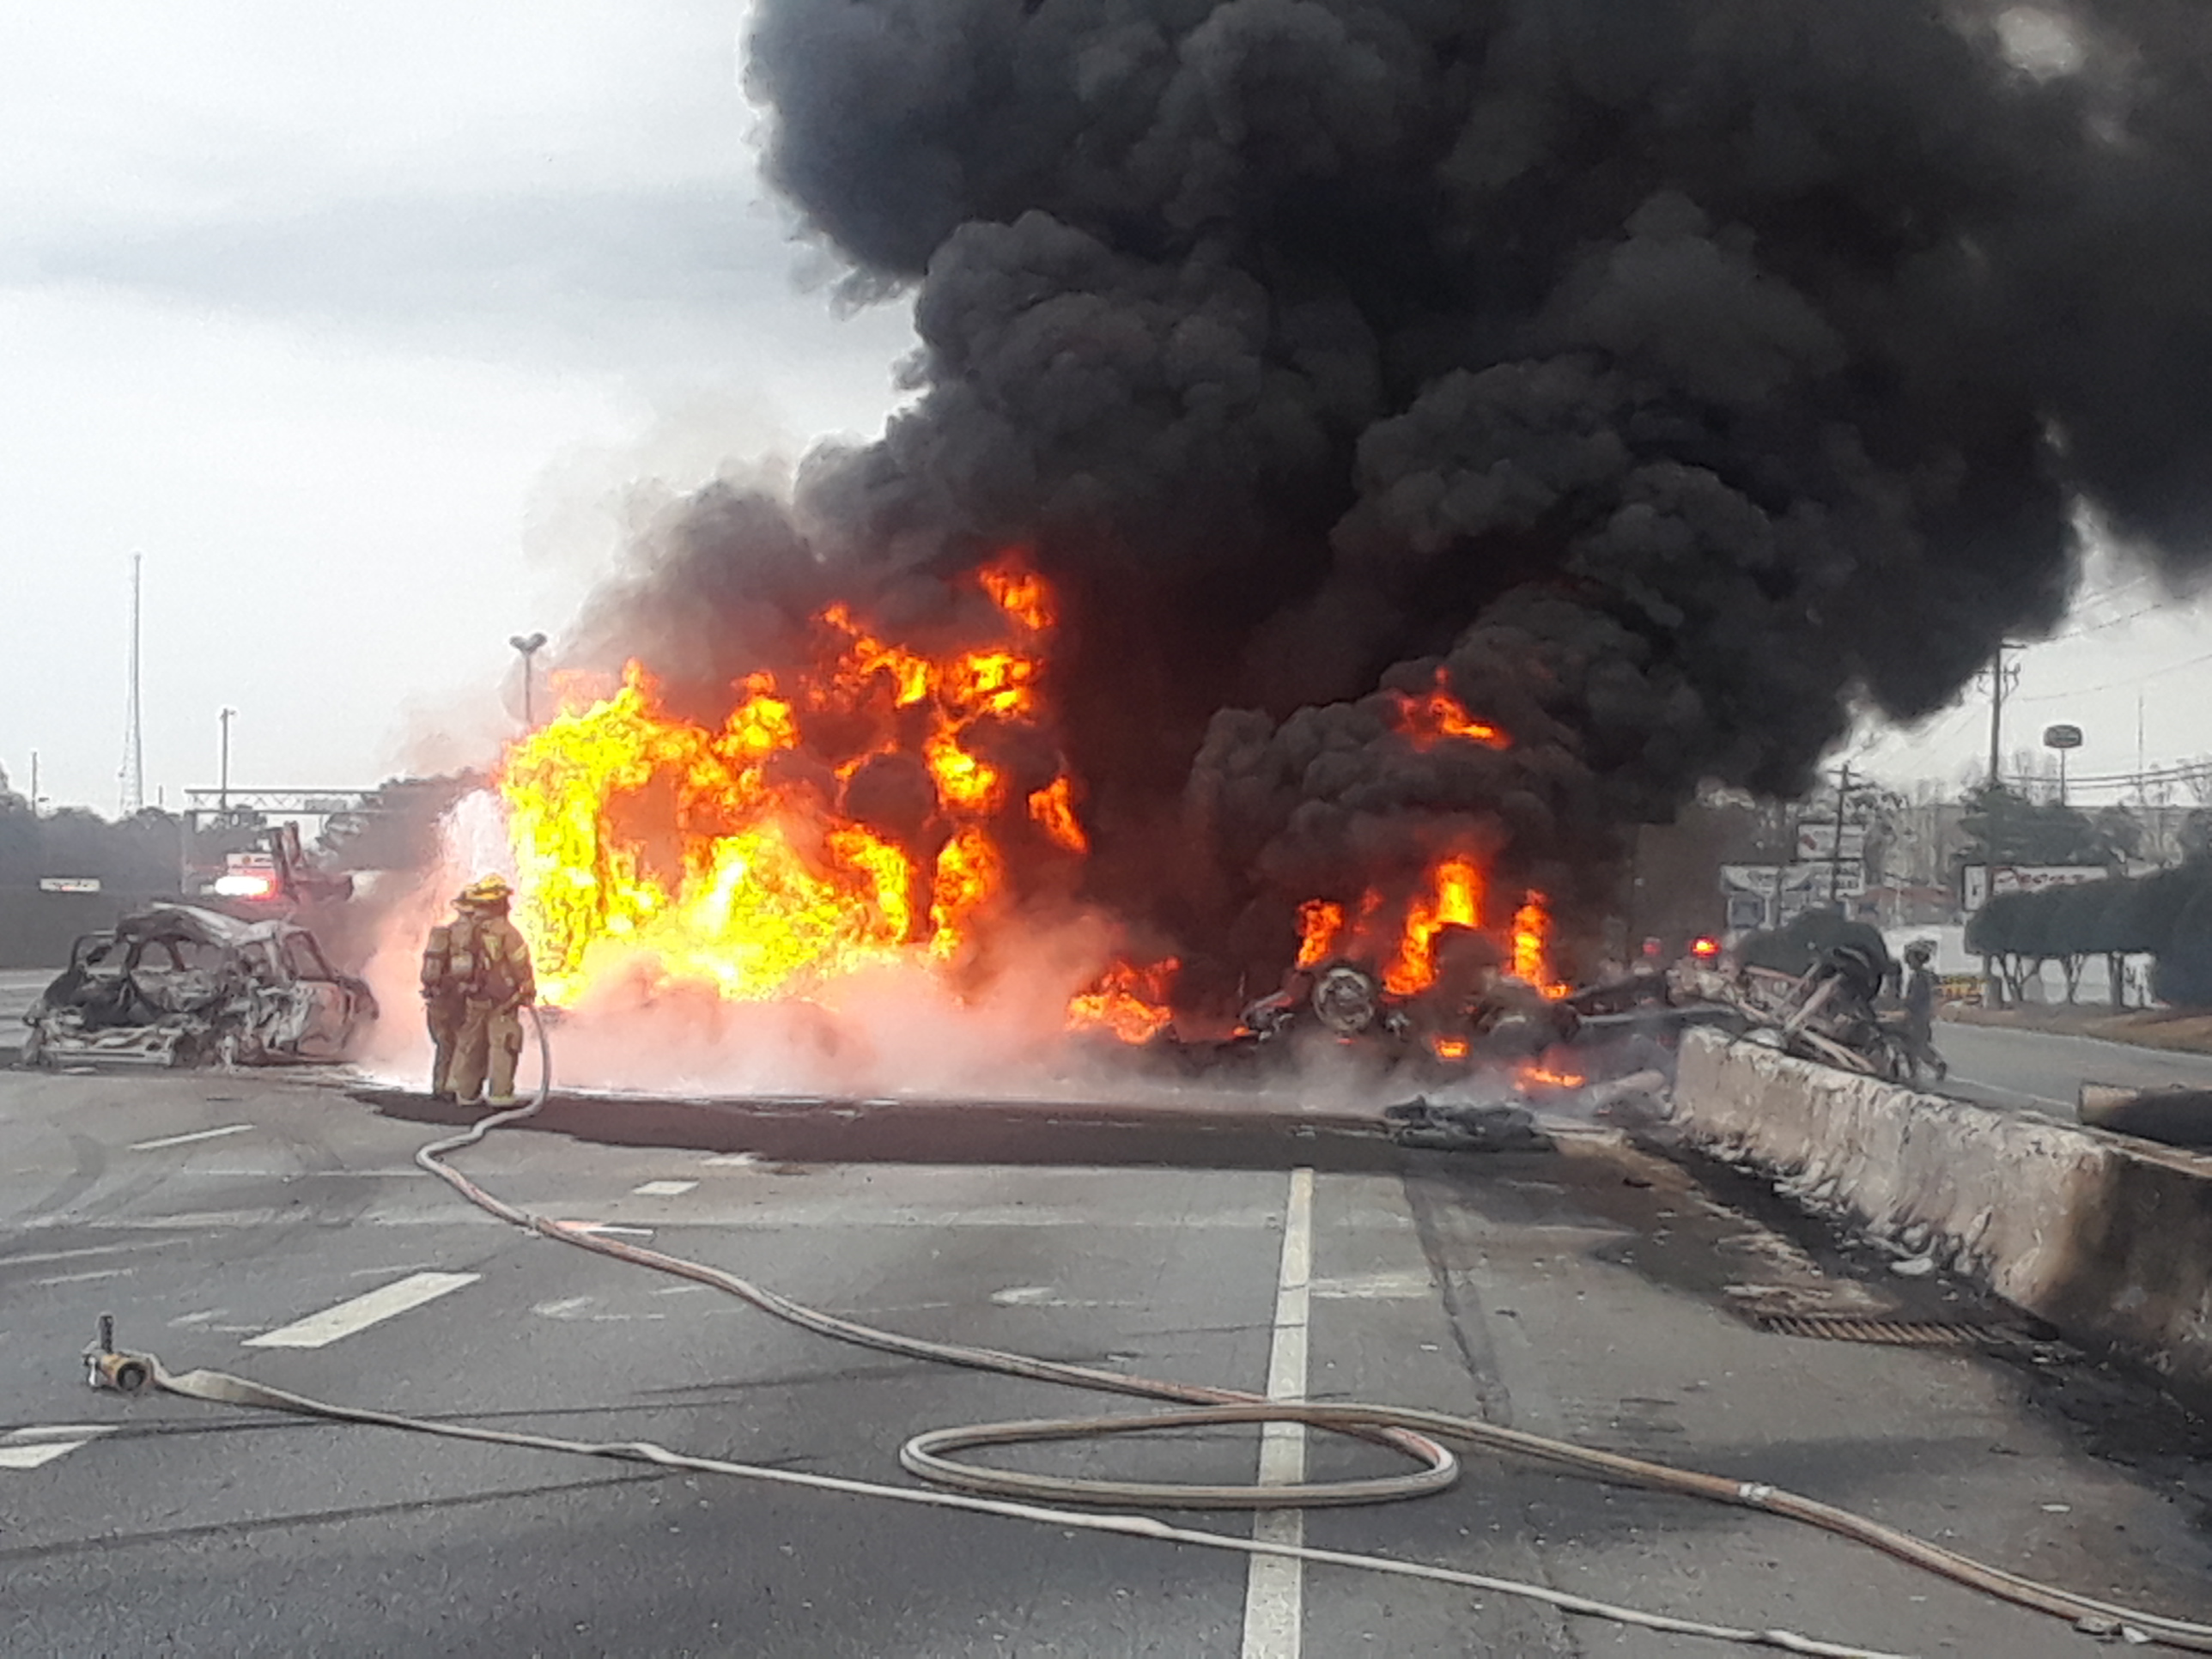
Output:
(2062, 736)
(1809, 881)
(1980, 882)
(1818, 841)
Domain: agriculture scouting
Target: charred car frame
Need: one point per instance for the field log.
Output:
(180, 985)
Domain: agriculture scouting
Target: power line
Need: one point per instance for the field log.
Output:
(2110, 622)
(2114, 685)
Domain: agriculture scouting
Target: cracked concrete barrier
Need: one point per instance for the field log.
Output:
(2107, 1238)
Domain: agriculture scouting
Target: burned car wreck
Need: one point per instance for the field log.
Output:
(180, 985)
(1341, 1002)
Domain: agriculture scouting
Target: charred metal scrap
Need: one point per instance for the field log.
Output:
(1831, 1014)
(1343, 1004)
(178, 984)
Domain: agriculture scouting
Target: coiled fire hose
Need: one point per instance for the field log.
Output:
(977, 1489)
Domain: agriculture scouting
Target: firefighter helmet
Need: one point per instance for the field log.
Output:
(489, 891)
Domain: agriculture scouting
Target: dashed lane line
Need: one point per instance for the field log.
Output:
(663, 1188)
(40, 1257)
(85, 1278)
(321, 1329)
(186, 1140)
(31, 1448)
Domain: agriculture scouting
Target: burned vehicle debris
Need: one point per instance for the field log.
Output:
(180, 985)
(1344, 1003)
(1340, 998)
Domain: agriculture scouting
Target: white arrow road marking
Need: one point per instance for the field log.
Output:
(186, 1140)
(320, 1330)
(29, 1448)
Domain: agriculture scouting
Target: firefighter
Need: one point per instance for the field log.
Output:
(1920, 1013)
(442, 1001)
(486, 972)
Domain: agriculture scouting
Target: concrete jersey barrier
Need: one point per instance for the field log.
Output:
(2108, 1239)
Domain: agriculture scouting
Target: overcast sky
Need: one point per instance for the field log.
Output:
(361, 324)
(355, 322)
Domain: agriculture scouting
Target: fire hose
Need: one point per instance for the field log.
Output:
(978, 1489)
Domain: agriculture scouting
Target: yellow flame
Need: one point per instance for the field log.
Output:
(1455, 900)
(706, 855)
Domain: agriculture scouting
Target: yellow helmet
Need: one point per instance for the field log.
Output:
(490, 890)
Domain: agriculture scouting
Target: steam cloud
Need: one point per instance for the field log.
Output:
(1668, 373)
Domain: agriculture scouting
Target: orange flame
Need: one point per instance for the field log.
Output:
(1450, 1048)
(708, 853)
(1126, 1000)
(1052, 807)
(1532, 944)
(1532, 1075)
(1020, 593)
(1319, 923)
(1428, 720)
(1455, 900)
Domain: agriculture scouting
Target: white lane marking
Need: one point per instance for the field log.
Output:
(575, 1307)
(1406, 1285)
(42, 1257)
(1043, 1296)
(730, 1161)
(320, 1330)
(609, 1227)
(186, 1140)
(663, 1188)
(86, 1278)
(29, 1449)
(1274, 1585)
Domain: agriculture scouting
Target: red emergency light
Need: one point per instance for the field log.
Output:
(1705, 947)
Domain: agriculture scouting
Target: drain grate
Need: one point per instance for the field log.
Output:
(1895, 1333)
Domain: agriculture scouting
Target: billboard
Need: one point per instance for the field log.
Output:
(1818, 841)
(1980, 882)
(1811, 882)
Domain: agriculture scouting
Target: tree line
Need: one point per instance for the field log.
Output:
(2165, 915)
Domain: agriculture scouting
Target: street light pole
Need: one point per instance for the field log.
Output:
(222, 793)
(2062, 738)
(529, 645)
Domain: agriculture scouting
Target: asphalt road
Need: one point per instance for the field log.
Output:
(1597, 1292)
(2043, 1071)
(19, 989)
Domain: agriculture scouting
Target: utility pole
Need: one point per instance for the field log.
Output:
(134, 753)
(2141, 800)
(529, 645)
(35, 783)
(1836, 852)
(2002, 678)
(222, 793)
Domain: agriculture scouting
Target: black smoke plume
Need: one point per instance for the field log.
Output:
(1673, 375)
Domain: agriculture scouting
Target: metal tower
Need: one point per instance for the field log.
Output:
(134, 759)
